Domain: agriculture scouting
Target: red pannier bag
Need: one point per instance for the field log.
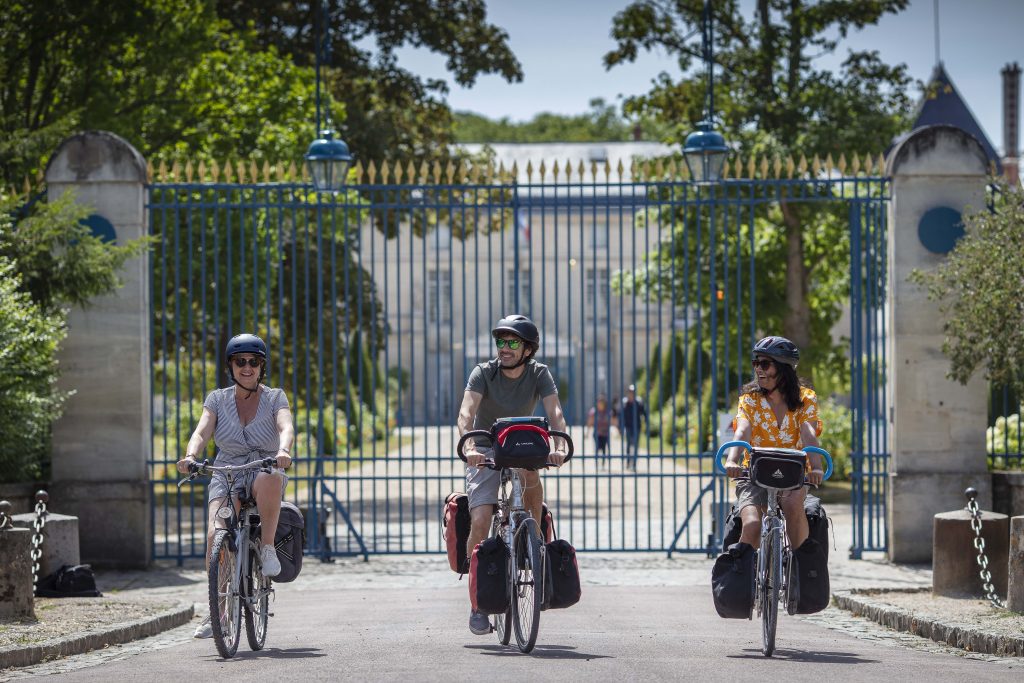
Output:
(455, 523)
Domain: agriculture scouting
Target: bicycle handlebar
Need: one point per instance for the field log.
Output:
(806, 449)
(472, 434)
(204, 467)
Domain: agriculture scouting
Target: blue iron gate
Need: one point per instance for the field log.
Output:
(377, 302)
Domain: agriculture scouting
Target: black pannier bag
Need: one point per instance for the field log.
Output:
(455, 525)
(289, 541)
(521, 442)
(70, 581)
(488, 576)
(810, 583)
(563, 587)
(779, 468)
(732, 582)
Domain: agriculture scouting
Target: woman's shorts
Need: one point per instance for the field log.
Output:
(752, 494)
(218, 487)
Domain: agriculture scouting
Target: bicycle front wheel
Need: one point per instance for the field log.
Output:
(225, 603)
(769, 577)
(257, 612)
(527, 584)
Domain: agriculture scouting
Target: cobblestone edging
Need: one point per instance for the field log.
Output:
(860, 603)
(26, 655)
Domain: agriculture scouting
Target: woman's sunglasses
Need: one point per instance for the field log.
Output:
(251, 362)
(510, 343)
(763, 363)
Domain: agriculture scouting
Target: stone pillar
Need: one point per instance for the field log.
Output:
(102, 442)
(16, 599)
(937, 425)
(1015, 568)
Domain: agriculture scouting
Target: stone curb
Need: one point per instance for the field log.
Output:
(27, 655)
(963, 636)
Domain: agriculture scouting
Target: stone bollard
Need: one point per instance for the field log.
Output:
(955, 560)
(60, 540)
(1015, 589)
(16, 600)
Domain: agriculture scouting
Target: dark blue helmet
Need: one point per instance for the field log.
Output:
(245, 343)
(778, 349)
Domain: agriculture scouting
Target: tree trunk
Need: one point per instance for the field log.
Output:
(796, 322)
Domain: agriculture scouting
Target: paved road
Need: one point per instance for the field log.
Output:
(616, 633)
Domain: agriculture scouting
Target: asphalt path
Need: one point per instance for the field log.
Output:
(616, 633)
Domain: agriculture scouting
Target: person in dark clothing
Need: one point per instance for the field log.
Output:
(633, 413)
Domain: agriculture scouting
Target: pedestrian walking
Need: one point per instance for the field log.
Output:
(601, 418)
(634, 414)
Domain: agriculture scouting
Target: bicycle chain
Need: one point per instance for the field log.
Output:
(979, 545)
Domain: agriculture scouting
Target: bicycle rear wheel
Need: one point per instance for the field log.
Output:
(257, 608)
(769, 577)
(528, 573)
(225, 603)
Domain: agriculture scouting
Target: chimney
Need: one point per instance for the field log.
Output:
(1011, 123)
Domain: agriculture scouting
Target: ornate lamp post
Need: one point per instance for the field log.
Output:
(705, 149)
(328, 158)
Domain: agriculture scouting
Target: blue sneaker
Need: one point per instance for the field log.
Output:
(479, 624)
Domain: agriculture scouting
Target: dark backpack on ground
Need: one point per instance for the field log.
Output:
(563, 576)
(289, 541)
(732, 581)
(70, 581)
(455, 524)
(488, 576)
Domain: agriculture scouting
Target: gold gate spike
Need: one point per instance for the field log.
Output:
(842, 164)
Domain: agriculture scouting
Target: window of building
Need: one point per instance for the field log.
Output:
(597, 293)
(525, 291)
(439, 296)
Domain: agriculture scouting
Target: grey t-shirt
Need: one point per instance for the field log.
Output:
(504, 397)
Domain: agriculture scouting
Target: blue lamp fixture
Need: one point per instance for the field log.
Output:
(328, 159)
(705, 149)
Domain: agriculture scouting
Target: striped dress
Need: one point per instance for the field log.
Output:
(237, 445)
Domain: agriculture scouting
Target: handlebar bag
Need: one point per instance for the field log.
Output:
(732, 582)
(523, 443)
(777, 468)
(563, 576)
(289, 541)
(488, 576)
(455, 524)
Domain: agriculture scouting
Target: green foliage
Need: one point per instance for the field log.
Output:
(29, 400)
(602, 123)
(1005, 438)
(981, 295)
(836, 436)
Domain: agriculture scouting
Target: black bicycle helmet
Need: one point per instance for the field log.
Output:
(519, 325)
(245, 343)
(778, 349)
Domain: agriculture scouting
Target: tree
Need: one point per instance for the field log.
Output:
(772, 100)
(390, 112)
(981, 294)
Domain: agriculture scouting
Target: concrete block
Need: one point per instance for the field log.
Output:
(60, 540)
(16, 599)
(955, 569)
(114, 521)
(914, 500)
(1015, 566)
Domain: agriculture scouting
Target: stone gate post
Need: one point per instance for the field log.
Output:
(102, 441)
(937, 425)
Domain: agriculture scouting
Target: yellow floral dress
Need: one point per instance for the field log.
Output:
(765, 431)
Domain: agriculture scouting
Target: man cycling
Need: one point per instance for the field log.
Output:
(507, 386)
(776, 410)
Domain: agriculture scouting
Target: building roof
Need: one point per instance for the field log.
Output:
(942, 104)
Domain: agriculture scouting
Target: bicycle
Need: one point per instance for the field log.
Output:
(527, 564)
(236, 578)
(774, 469)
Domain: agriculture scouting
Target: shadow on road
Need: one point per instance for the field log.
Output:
(818, 657)
(273, 653)
(540, 652)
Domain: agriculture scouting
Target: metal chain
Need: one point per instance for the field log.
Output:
(979, 544)
(37, 536)
(5, 516)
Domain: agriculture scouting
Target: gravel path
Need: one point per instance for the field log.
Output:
(57, 617)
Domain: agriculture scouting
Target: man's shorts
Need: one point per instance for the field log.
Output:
(602, 443)
(482, 483)
(752, 494)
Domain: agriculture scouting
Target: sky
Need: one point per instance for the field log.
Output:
(560, 44)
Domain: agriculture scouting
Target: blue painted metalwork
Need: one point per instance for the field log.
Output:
(376, 302)
(940, 228)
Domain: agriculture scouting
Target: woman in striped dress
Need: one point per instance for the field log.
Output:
(248, 421)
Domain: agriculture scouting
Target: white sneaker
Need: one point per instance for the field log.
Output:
(204, 630)
(271, 565)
